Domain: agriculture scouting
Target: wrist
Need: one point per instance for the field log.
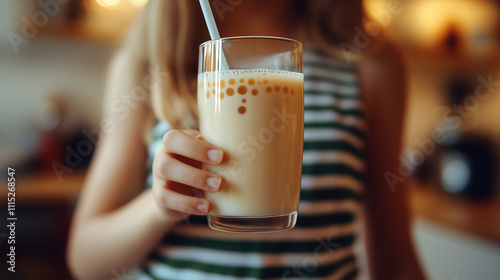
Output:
(158, 217)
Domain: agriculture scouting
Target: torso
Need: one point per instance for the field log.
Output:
(321, 244)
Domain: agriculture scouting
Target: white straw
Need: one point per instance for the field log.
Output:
(209, 18)
(212, 27)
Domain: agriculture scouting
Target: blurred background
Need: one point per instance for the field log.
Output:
(53, 63)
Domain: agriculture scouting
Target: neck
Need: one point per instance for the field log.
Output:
(259, 18)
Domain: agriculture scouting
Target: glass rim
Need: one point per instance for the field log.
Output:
(271, 38)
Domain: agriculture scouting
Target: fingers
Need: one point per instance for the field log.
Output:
(184, 144)
(177, 183)
(171, 169)
(172, 200)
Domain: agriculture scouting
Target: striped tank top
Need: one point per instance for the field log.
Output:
(321, 244)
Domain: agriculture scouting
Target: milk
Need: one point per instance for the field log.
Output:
(257, 118)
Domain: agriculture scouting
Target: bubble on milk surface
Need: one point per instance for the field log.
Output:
(226, 85)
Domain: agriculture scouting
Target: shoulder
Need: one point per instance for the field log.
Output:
(126, 108)
(382, 78)
(386, 59)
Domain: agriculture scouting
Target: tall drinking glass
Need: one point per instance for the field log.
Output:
(251, 104)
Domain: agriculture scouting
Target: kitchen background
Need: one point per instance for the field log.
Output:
(53, 64)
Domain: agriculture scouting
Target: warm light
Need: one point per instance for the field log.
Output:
(433, 24)
(138, 3)
(108, 3)
(474, 22)
(375, 7)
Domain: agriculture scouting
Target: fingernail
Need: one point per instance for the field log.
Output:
(213, 183)
(202, 208)
(214, 155)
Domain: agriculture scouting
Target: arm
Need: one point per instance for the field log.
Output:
(110, 229)
(117, 223)
(387, 219)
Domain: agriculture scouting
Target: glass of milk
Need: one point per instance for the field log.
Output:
(251, 104)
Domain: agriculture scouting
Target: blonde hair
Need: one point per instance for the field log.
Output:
(167, 34)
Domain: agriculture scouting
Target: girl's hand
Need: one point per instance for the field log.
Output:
(179, 182)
